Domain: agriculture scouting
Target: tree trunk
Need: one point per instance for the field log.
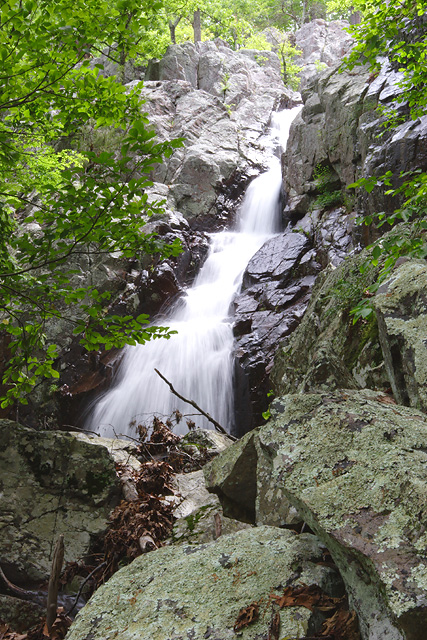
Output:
(304, 12)
(197, 26)
(172, 28)
(355, 18)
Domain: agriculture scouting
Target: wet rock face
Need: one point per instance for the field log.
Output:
(270, 305)
(276, 290)
(198, 591)
(353, 464)
(51, 484)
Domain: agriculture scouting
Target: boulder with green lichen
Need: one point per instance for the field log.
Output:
(401, 309)
(51, 483)
(353, 464)
(197, 591)
(327, 350)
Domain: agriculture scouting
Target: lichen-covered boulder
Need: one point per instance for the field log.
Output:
(240, 477)
(198, 591)
(353, 464)
(401, 308)
(51, 483)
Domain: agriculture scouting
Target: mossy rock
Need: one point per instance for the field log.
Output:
(52, 483)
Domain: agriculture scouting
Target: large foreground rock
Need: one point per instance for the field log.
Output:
(51, 483)
(353, 464)
(197, 591)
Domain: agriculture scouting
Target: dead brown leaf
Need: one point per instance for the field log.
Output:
(247, 616)
(6, 633)
(310, 597)
(274, 626)
(386, 399)
(343, 624)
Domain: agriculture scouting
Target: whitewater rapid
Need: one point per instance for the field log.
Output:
(198, 359)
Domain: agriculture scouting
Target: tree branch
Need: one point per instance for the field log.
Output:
(193, 404)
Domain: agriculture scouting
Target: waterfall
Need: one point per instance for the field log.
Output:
(198, 359)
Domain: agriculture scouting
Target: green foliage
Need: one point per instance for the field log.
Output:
(290, 70)
(59, 205)
(341, 9)
(225, 85)
(405, 240)
(328, 199)
(267, 414)
(258, 41)
(398, 32)
(409, 240)
(320, 66)
(325, 181)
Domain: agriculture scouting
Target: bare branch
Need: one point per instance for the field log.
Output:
(193, 404)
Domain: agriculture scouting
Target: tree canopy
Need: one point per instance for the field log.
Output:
(56, 205)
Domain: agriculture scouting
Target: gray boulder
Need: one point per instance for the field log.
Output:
(51, 484)
(199, 514)
(323, 44)
(221, 102)
(198, 591)
(353, 464)
(401, 308)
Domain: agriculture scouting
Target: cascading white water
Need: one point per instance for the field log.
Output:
(198, 359)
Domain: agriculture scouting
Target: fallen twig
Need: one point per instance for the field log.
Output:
(193, 404)
(79, 593)
(22, 594)
(52, 593)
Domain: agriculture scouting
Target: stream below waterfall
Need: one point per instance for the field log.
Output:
(198, 359)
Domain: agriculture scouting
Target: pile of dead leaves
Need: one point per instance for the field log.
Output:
(160, 443)
(40, 632)
(340, 623)
(135, 528)
(140, 523)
